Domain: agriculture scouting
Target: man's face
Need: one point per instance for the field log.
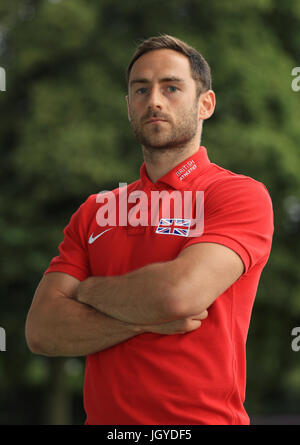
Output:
(162, 103)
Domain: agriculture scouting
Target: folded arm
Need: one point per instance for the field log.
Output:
(164, 292)
(58, 325)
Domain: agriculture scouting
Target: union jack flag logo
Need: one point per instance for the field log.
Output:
(174, 226)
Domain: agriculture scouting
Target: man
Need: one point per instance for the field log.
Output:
(161, 312)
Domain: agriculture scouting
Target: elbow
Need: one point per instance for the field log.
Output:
(32, 343)
(33, 338)
(184, 301)
(36, 347)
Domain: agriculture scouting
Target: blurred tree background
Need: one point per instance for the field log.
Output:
(64, 134)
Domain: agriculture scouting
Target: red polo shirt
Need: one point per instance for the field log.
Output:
(187, 379)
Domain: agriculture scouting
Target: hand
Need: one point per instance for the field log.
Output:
(181, 326)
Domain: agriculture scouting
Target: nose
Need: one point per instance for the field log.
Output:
(155, 98)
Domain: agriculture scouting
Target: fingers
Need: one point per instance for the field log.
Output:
(180, 326)
(201, 316)
(190, 325)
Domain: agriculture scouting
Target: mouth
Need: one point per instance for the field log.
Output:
(155, 121)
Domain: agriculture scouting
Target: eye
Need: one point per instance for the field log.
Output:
(172, 89)
(142, 90)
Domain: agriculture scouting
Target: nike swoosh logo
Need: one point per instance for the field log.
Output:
(92, 239)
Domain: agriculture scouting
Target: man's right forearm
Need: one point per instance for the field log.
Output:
(70, 328)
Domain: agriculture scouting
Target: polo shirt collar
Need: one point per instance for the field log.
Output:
(183, 173)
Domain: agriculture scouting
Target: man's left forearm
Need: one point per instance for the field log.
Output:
(143, 296)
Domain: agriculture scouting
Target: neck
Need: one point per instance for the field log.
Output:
(160, 161)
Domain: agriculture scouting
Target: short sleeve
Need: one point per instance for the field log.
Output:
(73, 258)
(238, 214)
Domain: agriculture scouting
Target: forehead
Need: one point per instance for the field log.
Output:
(161, 63)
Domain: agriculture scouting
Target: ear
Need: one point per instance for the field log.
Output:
(127, 100)
(207, 103)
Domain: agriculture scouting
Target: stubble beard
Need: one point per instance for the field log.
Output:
(167, 136)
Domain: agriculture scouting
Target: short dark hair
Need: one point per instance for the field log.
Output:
(199, 67)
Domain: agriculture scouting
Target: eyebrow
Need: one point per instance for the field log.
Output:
(163, 79)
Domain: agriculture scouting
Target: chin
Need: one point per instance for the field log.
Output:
(156, 146)
(156, 142)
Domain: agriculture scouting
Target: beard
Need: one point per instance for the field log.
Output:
(167, 135)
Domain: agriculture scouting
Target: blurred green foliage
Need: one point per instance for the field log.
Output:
(64, 134)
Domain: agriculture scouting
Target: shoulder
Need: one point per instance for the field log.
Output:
(237, 199)
(226, 185)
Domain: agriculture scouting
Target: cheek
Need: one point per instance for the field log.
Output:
(180, 103)
(135, 108)
(131, 110)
